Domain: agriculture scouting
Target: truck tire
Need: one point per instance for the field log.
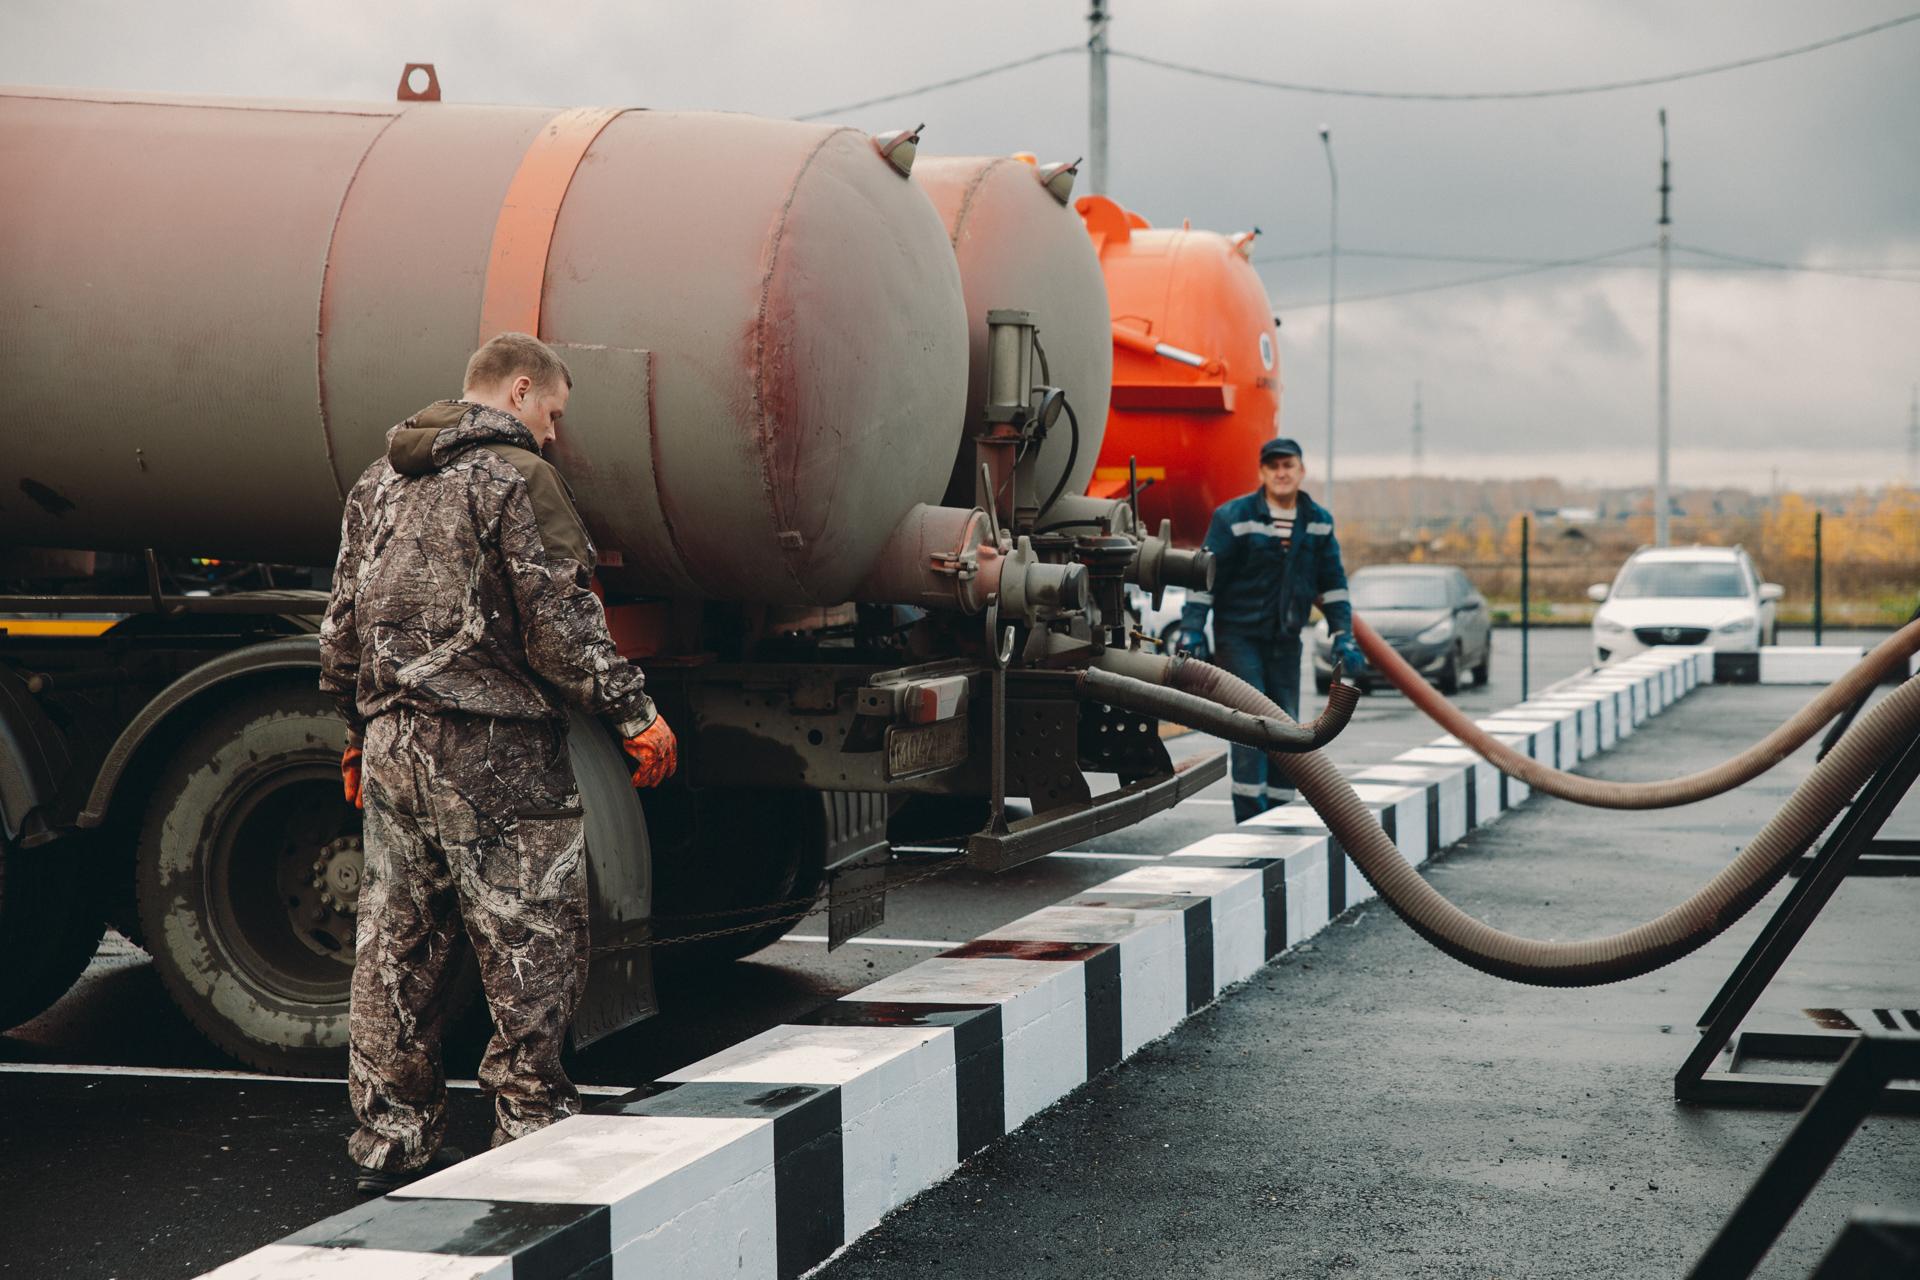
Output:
(247, 876)
(51, 923)
(727, 851)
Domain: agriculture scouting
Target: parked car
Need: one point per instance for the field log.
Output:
(1684, 595)
(1429, 613)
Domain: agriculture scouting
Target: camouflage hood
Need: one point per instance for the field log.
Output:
(432, 437)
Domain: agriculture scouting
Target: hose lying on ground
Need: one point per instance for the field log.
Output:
(1889, 655)
(1640, 950)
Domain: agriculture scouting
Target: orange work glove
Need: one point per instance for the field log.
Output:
(350, 776)
(655, 753)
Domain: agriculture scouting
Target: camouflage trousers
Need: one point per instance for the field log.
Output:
(472, 826)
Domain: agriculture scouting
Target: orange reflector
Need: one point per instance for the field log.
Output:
(56, 626)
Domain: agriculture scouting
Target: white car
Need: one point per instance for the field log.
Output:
(1684, 595)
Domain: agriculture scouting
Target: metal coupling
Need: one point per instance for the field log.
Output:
(1034, 590)
(1159, 564)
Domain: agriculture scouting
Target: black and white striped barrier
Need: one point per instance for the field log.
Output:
(765, 1159)
(1798, 664)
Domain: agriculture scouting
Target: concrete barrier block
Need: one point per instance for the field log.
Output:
(1807, 664)
(1563, 724)
(310, 1262)
(890, 1080)
(1446, 786)
(1584, 708)
(1236, 910)
(667, 1181)
(1153, 962)
(1043, 1028)
(1482, 782)
(1410, 826)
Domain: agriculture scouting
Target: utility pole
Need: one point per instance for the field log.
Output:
(1097, 98)
(1660, 500)
(1419, 460)
(1333, 287)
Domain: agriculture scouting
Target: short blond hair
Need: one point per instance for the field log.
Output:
(508, 355)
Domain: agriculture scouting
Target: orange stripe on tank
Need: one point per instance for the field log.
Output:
(523, 235)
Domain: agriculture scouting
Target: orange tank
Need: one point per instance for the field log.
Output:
(1196, 366)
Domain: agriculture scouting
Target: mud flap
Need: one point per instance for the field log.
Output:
(619, 888)
(857, 854)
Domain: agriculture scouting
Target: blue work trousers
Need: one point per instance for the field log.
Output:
(1273, 667)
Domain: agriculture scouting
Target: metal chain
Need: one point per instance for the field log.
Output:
(806, 908)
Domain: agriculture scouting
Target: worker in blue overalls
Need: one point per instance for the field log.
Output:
(1274, 554)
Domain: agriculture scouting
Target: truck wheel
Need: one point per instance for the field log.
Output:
(51, 923)
(728, 851)
(247, 880)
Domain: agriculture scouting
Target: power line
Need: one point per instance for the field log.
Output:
(948, 83)
(1483, 259)
(1858, 271)
(1486, 277)
(1640, 82)
(1287, 86)
(1726, 262)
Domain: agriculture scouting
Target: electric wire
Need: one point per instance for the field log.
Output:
(1725, 261)
(1509, 95)
(1856, 271)
(1073, 456)
(1555, 264)
(948, 83)
(1598, 262)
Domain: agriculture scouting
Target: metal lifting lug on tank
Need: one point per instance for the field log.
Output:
(834, 420)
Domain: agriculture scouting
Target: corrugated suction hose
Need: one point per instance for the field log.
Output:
(1210, 715)
(1889, 655)
(1692, 924)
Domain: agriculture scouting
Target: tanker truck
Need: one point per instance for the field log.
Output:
(834, 420)
(1196, 378)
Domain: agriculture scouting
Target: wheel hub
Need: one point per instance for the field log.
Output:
(337, 873)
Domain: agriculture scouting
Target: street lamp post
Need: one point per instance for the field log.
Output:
(1662, 431)
(1333, 284)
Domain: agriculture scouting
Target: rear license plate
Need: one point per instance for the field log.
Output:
(914, 750)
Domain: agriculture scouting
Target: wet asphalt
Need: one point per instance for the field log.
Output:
(1364, 1107)
(1368, 1107)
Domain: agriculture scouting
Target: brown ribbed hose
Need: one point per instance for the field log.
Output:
(1617, 957)
(1210, 715)
(1889, 655)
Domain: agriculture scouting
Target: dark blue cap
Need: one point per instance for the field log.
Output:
(1280, 447)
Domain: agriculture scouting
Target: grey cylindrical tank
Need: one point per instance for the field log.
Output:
(1021, 249)
(211, 312)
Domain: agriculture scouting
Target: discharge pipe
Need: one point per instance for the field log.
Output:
(1889, 655)
(1616, 957)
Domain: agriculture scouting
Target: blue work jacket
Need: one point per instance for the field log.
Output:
(1262, 591)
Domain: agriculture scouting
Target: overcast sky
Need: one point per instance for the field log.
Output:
(1812, 160)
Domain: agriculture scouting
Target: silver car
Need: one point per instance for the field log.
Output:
(1429, 613)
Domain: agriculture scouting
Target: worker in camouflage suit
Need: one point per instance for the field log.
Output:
(460, 628)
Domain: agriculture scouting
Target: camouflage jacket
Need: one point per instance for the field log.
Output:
(462, 583)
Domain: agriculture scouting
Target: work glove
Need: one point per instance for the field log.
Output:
(1347, 655)
(350, 776)
(655, 753)
(1193, 642)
